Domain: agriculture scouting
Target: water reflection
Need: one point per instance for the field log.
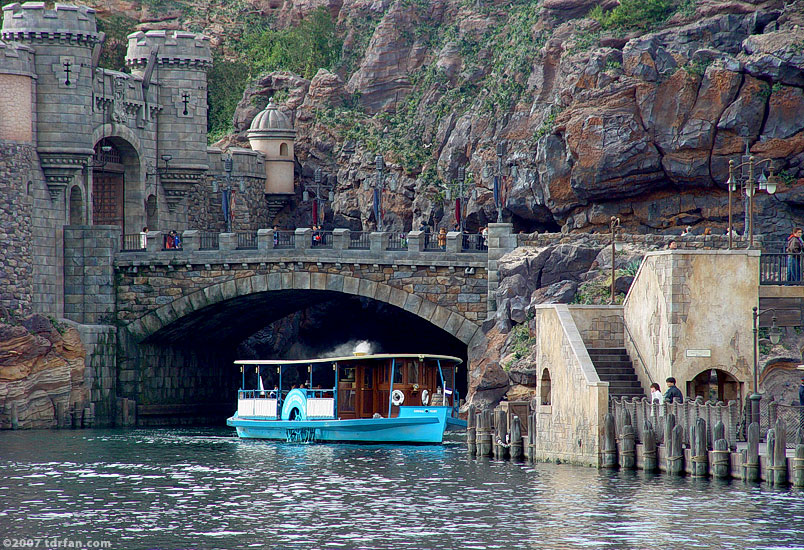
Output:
(207, 489)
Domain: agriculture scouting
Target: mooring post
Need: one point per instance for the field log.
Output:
(700, 449)
(530, 451)
(501, 441)
(516, 439)
(484, 434)
(669, 424)
(771, 443)
(721, 456)
(751, 463)
(798, 466)
(628, 451)
(778, 473)
(649, 454)
(609, 442)
(675, 453)
(471, 431)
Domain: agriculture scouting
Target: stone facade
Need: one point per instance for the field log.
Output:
(687, 242)
(600, 326)
(690, 311)
(569, 427)
(89, 273)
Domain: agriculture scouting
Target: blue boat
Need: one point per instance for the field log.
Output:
(379, 398)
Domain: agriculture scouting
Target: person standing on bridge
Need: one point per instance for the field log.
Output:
(673, 393)
(794, 248)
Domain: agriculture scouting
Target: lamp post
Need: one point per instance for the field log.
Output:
(614, 224)
(321, 180)
(750, 185)
(459, 190)
(498, 183)
(225, 187)
(775, 336)
(379, 188)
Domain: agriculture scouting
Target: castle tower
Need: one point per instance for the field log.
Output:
(180, 63)
(63, 39)
(272, 134)
(17, 155)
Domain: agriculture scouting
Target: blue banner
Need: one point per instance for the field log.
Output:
(496, 190)
(225, 203)
(377, 208)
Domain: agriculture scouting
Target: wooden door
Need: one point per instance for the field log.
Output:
(366, 389)
(347, 393)
(108, 199)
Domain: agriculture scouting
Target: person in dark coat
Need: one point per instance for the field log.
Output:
(672, 393)
(801, 392)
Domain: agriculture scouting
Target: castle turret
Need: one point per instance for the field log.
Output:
(179, 62)
(272, 134)
(62, 39)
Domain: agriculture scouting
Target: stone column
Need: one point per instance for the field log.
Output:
(415, 241)
(304, 236)
(341, 239)
(265, 239)
(191, 240)
(378, 242)
(454, 241)
(502, 240)
(154, 241)
(227, 241)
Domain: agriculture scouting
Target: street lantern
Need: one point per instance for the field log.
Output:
(225, 187)
(775, 335)
(458, 189)
(749, 185)
(379, 188)
(324, 184)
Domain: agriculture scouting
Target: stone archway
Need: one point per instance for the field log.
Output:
(118, 177)
(715, 384)
(219, 294)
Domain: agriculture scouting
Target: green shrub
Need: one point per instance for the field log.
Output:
(117, 29)
(633, 14)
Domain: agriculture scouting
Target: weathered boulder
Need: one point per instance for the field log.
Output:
(567, 262)
(562, 292)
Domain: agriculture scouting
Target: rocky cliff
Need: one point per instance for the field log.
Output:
(41, 370)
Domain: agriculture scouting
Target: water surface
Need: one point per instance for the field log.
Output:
(206, 489)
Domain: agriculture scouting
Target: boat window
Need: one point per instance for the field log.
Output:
(398, 374)
(347, 400)
(368, 378)
(413, 372)
(348, 374)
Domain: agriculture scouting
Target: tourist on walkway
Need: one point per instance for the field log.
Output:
(801, 393)
(484, 234)
(442, 238)
(672, 245)
(276, 236)
(144, 238)
(673, 393)
(794, 248)
(655, 393)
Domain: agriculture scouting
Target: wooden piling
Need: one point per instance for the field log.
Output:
(609, 442)
(798, 467)
(771, 442)
(484, 434)
(650, 460)
(516, 439)
(700, 450)
(675, 452)
(751, 461)
(628, 451)
(471, 431)
(530, 450)
(778, 473)
(721, 459)
(501, 438)
(669, 424)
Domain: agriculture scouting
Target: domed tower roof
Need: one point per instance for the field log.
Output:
(271, 123)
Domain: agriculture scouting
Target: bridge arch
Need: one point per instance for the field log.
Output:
(229, 299)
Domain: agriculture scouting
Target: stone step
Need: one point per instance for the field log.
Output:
(625, 364)
(619, 377)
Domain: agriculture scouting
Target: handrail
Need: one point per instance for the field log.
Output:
(641, 360)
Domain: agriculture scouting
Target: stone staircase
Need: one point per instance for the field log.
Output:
(614, 366)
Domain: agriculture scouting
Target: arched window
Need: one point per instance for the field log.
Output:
(716, 385)
(283, 150)
(76, 206)
(545, 393)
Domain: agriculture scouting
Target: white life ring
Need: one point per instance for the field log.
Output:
(425, 397)
(397, 397)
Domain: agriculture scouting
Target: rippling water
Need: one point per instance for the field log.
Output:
(205, 489)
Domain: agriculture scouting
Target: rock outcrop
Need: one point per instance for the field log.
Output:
(41, 368)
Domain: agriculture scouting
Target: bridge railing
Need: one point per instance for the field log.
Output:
(413, 242)
(780, 269)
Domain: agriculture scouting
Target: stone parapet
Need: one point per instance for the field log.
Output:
(175, 48)
(16, 59)
(686, 242)
(34, 22)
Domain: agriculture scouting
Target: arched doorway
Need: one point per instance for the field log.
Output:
(715, 385)
(76, 206)
(108, 186)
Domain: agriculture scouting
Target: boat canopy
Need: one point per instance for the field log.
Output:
(283, 362)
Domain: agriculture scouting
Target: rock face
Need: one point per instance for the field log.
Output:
(41, 366)
(641, 127)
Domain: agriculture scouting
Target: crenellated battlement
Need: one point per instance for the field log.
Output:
(34, 22)
(177, 48)
(16, 59)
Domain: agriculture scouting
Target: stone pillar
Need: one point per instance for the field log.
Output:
(501, 241)
(378, 242)
(341, 239)
(154, 241)
(304, 238)
(191, 240)
(454, 241)
(227, 241)
(265, 239)
(416, 241)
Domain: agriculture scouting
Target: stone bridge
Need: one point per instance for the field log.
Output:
(169, 321)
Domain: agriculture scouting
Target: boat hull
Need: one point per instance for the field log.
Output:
(413, 425)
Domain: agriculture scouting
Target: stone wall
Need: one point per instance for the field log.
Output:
(570, 428)
(16, 237)
(501, 241)
(648, 241)
(89, 273)
(690, 311)
(599, 326)
(100, 343)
